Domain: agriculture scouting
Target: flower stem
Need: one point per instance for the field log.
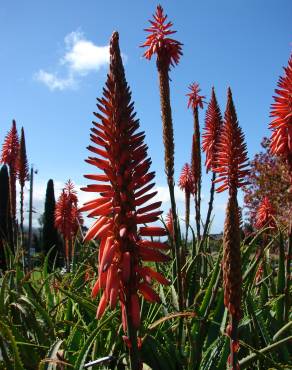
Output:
(169, 165)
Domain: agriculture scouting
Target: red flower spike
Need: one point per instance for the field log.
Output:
(212, 129)
(265, 214)
(158, 42)
(169, 223)
(9, 156)
(22, 163)
(123, 190)
(186, 180)
(231, 159)
(10, 147)
(67, 215)
(195, 99)
(281, 112)
(23, 172)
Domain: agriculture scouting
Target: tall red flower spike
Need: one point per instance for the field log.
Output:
(169, 223)
(195, 99)
(120, 208)
(210, 137)
(23, 172)
(22, 163)
(231, 161)
(281, 111)
(265, 214)
(186, 180)
(9, 156)
(68, 217)
(158, 42)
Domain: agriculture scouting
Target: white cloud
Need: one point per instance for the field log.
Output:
(81, 56)
(53, 82)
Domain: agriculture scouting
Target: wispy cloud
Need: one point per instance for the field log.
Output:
(81, 56)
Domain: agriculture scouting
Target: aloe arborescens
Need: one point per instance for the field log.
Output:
(168, 52)
(195, 102)
(23, 173)
(9, 156)
(124, 188)
(281, 145)
(231, 163)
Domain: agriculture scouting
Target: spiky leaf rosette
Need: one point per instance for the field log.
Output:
(211, 134)
(231, 159)
(124, 188)
(158, 41)
(9, 156)
(67, 215)
(22, 163)
(265, 216)
(186, 180)
(281, 111)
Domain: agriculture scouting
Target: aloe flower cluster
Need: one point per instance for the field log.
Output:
(9, 156)
(23, 172)
(168, 52)
(265, 214)
(231, 161)
(68, 218)
(124, 188)
(231, 166)
(281, 112)
(186, 183)
(158, 42)
(212, 130)
(195, 102)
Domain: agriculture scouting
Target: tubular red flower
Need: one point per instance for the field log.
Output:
(22, 163)
(67, 215)
(210, 137)
(265, 214)
(281, 112)
(158, 42)
(195, 99)
(23, 173)
(9, 156)
(121, 201)
(169, 223)
(231, 159)
(186, 180)
(10, 147)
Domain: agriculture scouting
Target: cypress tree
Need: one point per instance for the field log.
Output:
(50, 234)
(5, 217)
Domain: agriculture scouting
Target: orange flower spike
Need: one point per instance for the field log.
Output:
(158, 41)
(67, 215)
(23, 173)
(169, 223)
(265, 214)
(22, 163)
(212, 129)
(231, 158)
(186, 183)
(186, 180)
(122, 191)
(281, 113)
(195, 99)
(9, 156)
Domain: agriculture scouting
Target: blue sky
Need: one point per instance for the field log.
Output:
(54, 64)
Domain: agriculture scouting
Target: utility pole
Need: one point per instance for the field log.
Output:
(30, 218)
